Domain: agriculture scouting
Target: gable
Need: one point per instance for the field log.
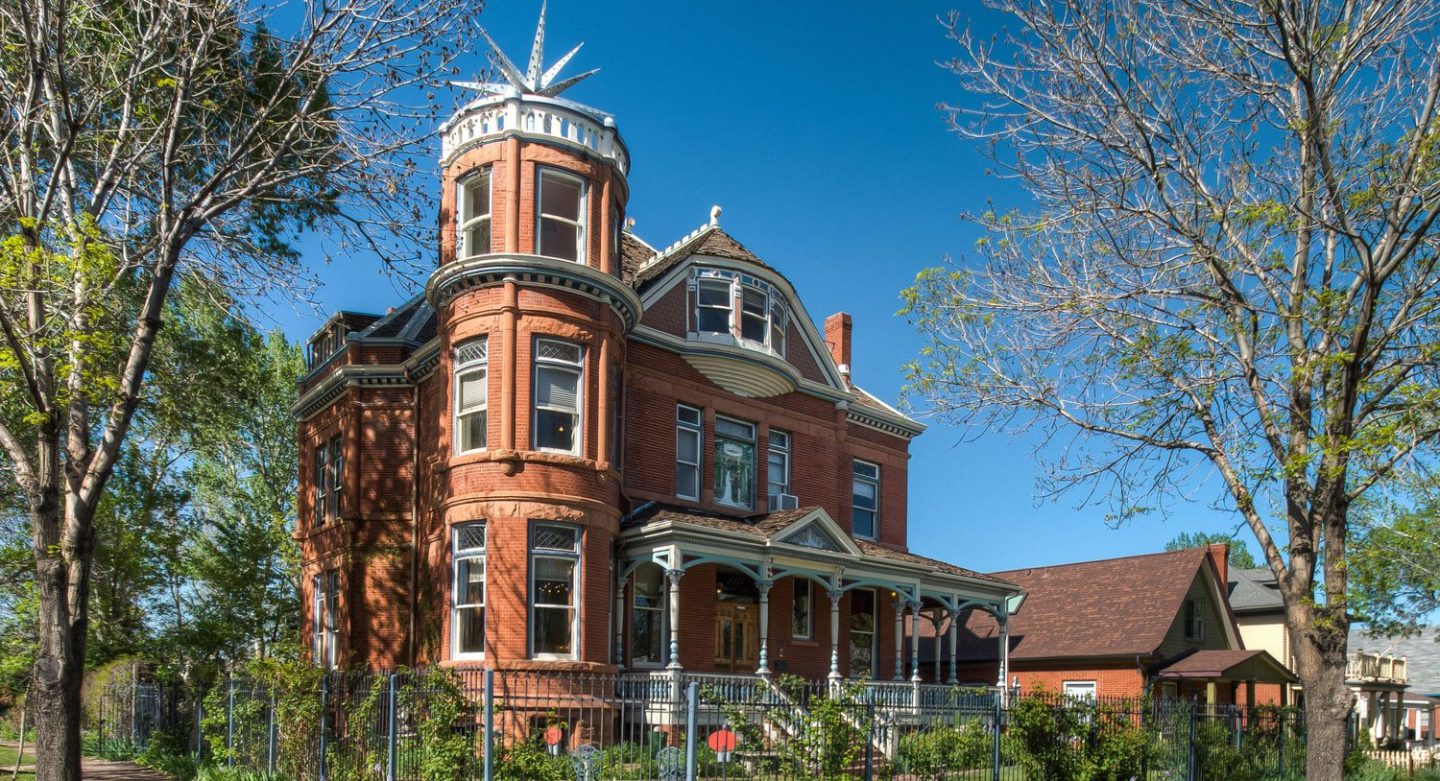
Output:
(812, 536)
(808, 527)
(1215, 633)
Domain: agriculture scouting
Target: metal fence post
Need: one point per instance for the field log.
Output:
(392, 753)
(995, 739)
(489, 725)
(1190, 758)
(230, 721)
(270, 736)
(324, 722)
(692, 698)
(870, 741)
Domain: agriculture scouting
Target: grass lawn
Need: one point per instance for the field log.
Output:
(7, 763)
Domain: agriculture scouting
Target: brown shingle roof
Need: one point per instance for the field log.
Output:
(1114, 607)
(767, 525)
(634, 253)
(1215, 663)
(711, 240)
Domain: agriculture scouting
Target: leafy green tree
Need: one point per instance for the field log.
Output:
(1395, 560)
(146, 143)
(1227, 267)
(1238, 556)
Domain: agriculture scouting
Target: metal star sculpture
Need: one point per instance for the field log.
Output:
(533, 81)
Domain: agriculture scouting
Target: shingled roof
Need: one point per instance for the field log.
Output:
(1254, 591)
(1108, 608)
(767, 525)
(711, 240)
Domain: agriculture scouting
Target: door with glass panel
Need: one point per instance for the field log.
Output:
(862, 634)
(737, 636)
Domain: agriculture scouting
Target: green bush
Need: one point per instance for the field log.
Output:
(1079, 742)
(930, 753)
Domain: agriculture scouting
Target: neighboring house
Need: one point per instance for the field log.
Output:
(1157, 623)
(579, 452)
(1260, 614)
(1397, 684)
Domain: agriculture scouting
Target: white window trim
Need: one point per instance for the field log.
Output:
(784, 453)
(875, 527)
(321, 485)
(460, 372)
(754, 456)
(1067, 686)
(729, 308)
(699, 430)
(578, 442)
(809, 609)
(576, 581)
(540, 175)
(456, 554)
(325, 588)
(466, 221)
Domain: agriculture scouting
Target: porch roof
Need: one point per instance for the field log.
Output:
(1222, 665)
(661, 524)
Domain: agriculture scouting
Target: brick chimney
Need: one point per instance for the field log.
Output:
(1220, 557)
(837, 338)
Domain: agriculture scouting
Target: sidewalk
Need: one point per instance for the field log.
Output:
(90, 769)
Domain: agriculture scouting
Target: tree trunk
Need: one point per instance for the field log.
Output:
(59, 663)
(1320, 659)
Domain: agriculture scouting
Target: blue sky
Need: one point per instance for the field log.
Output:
(815, 126)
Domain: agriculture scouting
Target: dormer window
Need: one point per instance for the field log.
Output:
(746, 309)
(474, 215)
(561, 216)
(325, 344)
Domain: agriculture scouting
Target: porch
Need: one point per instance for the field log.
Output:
(790, 594)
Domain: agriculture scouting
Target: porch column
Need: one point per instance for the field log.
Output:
(954, 641)
(764, 587)
(936, 619)
(1004, 619)
(915, 641)
(899, 639)
(835, 595)
(673, 577)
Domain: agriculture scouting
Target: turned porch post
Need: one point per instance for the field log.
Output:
(673, 577)
(620, 617)
(937, 617)
(1004, 619)
(915, 641)
(954, 640)
(899, 639)
(764, 588)
(834, 595)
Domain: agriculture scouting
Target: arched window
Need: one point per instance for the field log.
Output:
(472, 372)
(467, 613)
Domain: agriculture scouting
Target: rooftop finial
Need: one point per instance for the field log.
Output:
(715, 214)
(533, 81)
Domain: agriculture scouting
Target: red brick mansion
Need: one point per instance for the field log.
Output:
(578, 451)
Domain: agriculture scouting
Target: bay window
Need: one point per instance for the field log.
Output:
(688, 434)
(734, 463)
(559, 378)
(865, 499)
(560, 212)
(744, 308)
(472, 391)
(467, 613)
(554, 590)
(474, 215)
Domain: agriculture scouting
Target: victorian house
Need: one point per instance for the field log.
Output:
(580, 451)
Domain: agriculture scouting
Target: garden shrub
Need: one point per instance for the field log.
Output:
(1080, 742)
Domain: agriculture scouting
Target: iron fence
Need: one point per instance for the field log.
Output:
(474, 725)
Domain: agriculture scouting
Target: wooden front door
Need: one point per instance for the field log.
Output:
(737, 636)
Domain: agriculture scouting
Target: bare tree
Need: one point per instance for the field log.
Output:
(148, 140)
(1228, 276)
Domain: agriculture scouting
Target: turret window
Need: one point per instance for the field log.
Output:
(467, 615)
(475, 214)
(561, 216)
(471, 395)
(554, 588)
(688, 433)
(559, 375)
(742, 308)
